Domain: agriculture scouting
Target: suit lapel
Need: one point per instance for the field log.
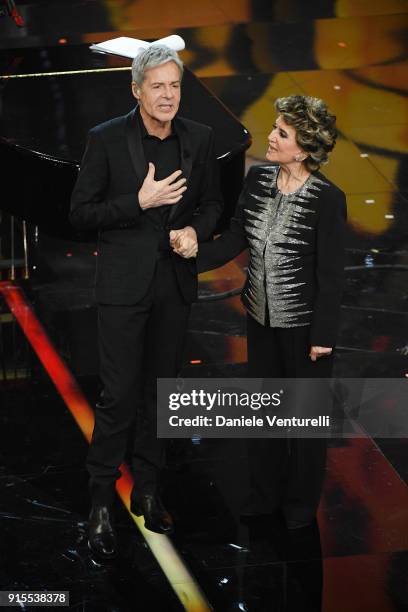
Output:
(134, 142)
(186, 159)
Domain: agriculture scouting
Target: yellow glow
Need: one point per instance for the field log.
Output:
(369, 40)
(370, 218)
(347, 8)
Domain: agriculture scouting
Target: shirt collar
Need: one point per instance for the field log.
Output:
(143, 130)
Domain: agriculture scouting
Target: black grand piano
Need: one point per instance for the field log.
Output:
(49, 99)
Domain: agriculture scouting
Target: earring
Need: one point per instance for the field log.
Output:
(298, 158)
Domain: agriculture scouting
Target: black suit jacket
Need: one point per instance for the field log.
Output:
(105, 198)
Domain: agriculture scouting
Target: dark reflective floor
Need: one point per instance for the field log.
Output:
(355, 559)
(360, 540)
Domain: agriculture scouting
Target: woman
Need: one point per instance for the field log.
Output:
(292, 219)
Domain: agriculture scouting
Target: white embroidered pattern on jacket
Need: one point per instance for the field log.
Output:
(273, 231)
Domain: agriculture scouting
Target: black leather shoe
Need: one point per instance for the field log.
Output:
(102, 539)
(155, 515)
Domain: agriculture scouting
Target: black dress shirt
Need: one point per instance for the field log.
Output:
(165, 155)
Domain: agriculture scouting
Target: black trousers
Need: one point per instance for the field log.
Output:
(285, 473)
(137, 344)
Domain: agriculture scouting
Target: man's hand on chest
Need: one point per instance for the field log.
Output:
(168, 191)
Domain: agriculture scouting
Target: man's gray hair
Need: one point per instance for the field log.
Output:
(153, 56)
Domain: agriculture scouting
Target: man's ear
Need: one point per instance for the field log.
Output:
(135, 90)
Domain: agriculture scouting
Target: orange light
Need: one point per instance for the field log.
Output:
(342, 44)
(62, 41)
(52, 362)
(195, 361)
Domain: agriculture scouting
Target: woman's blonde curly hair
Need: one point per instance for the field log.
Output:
(315, 127)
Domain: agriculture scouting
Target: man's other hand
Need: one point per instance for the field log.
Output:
(161, 193)
(184, 242)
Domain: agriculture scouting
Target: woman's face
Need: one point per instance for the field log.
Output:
(283, 148)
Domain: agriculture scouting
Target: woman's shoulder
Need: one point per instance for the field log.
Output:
(331, 198)
(258, 171)
(329, 188)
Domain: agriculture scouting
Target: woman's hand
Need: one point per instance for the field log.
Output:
(184, 242)
(319, 351)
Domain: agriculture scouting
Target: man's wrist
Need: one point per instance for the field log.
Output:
(142, 203)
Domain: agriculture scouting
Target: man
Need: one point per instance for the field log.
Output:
(143, 175)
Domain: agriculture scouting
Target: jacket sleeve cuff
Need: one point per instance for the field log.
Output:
(323, 336)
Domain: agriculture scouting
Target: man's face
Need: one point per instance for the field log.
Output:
(159, 94)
